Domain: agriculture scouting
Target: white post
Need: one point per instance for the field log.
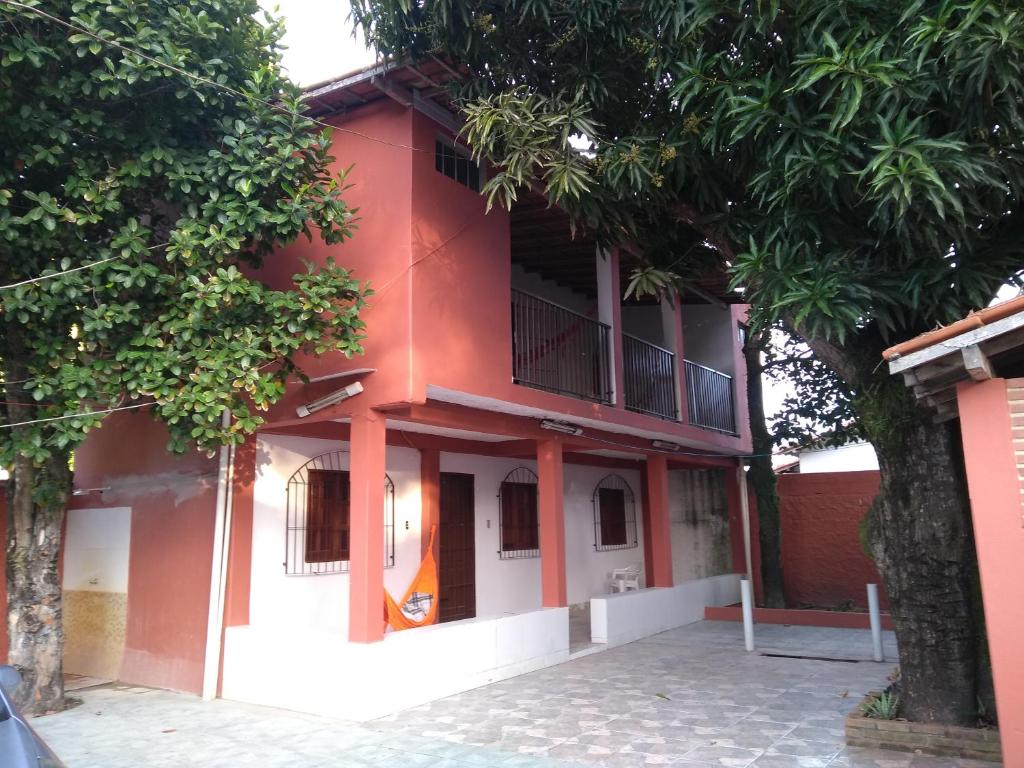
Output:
(218, 574)
(748, 613)
(876, 622)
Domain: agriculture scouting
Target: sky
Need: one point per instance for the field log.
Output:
(319, 39)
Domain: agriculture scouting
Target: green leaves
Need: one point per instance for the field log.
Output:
(147, 201)
(857, 166)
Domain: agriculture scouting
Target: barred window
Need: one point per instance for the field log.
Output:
(455, 163)
(327, 516)
(520, 534)
(318, 519)
(614, 515)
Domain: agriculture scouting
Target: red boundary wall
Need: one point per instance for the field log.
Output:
(822, 558)
(797, 617)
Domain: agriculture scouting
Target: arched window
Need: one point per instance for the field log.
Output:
(317, 519)
(517, 514)
(614, 515)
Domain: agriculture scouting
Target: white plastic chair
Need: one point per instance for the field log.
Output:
(625, 579)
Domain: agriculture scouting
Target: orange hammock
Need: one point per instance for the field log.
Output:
(419, 606)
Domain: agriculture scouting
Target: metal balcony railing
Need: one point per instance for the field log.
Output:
(650, 378)
(709, 398)
(558, 350)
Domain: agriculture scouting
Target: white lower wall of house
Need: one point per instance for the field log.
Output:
(503, 587)
(318, 671)
(699, 518)
(587, 569)
(320, 602)
(512, 586)
(623, 618)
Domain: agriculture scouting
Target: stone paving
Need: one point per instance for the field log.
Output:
(688, 697)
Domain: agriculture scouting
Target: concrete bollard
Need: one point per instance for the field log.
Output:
(748, 613)
(876, 622)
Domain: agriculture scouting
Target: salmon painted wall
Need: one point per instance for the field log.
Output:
(378, 253)
(172, 499)
(822, 559)
(992, 429)
(462, 305)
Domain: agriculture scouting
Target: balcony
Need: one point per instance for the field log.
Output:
(650, 378)
(558, 350)
(709, 396)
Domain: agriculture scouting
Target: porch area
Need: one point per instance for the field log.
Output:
(530, 528)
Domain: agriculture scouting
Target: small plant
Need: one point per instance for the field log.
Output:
(882, 707)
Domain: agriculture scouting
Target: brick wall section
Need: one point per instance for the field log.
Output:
(822, 558)
(927, 738)
(1015, 394)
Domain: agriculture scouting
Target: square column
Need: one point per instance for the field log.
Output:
(991, 425)
(430, 497)
(672, 325)
(551, 514)
(657, 527)
(366, 521)
(609, 312)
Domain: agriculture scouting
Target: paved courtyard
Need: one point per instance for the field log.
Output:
(687, 697)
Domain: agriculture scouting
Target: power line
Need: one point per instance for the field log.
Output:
(200, 78)
(75, 415)
(75, 269)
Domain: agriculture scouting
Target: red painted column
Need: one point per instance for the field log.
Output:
(550, 510)
(988, 412)
(656, 521)
(430, 497)
(645, 516)
(366, 546)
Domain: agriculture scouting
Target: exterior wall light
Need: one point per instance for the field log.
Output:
(665, 445)
(561, 426)
(328, 400)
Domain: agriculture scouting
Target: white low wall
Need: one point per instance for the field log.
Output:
(322, 673)
(623, 618)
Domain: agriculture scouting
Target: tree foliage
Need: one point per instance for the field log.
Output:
(164, 191)
(859, 162)
(818, 408)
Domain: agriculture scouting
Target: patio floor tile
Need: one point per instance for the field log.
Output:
(688, 698)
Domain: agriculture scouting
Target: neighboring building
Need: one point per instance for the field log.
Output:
(552, 431)
(854, 457)
(973, 370)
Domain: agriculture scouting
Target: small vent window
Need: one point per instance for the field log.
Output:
(317, 518)
(614, 515)
(517, 507)
(456, 163)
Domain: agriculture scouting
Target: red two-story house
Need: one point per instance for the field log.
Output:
(553, 432)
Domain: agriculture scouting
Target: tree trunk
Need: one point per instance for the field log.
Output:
(37, 497)
(920, 532)
(762, 478)
(34, 621)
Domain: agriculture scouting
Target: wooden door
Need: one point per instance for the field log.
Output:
(457, 551)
